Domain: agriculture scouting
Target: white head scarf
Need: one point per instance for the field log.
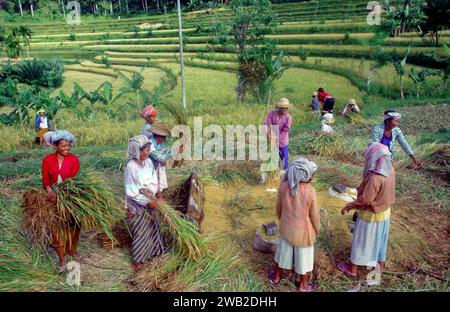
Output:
(300, 170)
(327, 119)
(392, 115)
(378, 159)
(135, 144)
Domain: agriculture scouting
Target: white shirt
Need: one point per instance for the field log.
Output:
(137, 177)
(326, 128)
(43, 124)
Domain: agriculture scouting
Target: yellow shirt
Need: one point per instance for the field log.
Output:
(370, 216)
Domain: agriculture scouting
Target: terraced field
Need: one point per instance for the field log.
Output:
(337, 40)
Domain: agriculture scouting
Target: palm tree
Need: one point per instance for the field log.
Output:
(31, 3)
(20, 8)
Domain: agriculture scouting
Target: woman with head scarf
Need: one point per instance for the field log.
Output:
(389, 132)
(325, 123)
(281, 118)
(149, 113)
(299, 223)
(56, 168)
(141, 186)
(376, 195)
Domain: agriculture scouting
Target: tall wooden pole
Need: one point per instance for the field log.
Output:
(180, 34)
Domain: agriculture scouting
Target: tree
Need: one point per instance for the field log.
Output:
(400, 68)
(252, 21)
(437, 14)
(31, 3)
(403, 17)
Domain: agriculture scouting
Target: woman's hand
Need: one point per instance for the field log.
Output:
(51, 194)
(346, 209)
(129, 213)
(152, 203)
(159, 195)
(417, 163)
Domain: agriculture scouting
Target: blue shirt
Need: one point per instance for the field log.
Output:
(397, 135)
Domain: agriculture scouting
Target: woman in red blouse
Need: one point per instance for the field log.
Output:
(56, 168)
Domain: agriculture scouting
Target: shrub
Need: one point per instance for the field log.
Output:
(45, 73)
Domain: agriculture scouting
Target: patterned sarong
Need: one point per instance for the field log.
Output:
(146, 234)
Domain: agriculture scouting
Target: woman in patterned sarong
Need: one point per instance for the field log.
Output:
(141, 185)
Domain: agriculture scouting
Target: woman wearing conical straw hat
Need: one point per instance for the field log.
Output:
(141, 186)
(281, 118)
(42, 125)
(56, 168)
(350, 107)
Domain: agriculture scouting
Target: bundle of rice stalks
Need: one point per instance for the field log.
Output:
(170, 272)
(38, 216)
(122, 237)
(189, 242)
(87, 200)
(179, 115)
(19, 275)
(356, 119)
(320, 144)
(236, 171)
(435, 158)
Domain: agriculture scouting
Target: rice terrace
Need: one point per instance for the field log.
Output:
(345, 103)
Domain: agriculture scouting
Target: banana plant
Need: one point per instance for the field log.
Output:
(274, 70)
(20, 100)
(133, 86)
(400, 68)
(419, 77)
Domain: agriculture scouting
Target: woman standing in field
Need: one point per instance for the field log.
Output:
(299, 223)
(159, 155)
(376, 195)
(56, 168)
(141, 186)
(280, 117)
(42, 125)
(389, 132)
(149, 113)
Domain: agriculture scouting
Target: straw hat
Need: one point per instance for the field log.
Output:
(314, 93)
(161, 130)
(283, 103)
(40, 111)
(352, 101)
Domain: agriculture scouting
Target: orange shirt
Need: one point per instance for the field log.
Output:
(299, 216)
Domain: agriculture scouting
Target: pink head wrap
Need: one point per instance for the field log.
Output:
(148, 111)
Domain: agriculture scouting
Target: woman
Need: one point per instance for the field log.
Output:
(389, 132)
(299, 223)
(141, 186)
(315, 104)
(56, 168)
(325, 123)
(376, 195)
(42, 125)
(327, 101)
(281, 118)
(149, 113)
(159, 155)
(350, 107)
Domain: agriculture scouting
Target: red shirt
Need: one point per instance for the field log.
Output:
(323, 95)
(50, 168)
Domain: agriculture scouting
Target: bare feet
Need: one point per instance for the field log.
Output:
(308, 287)
(347, 269)
(137, 266)
(61, 267)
